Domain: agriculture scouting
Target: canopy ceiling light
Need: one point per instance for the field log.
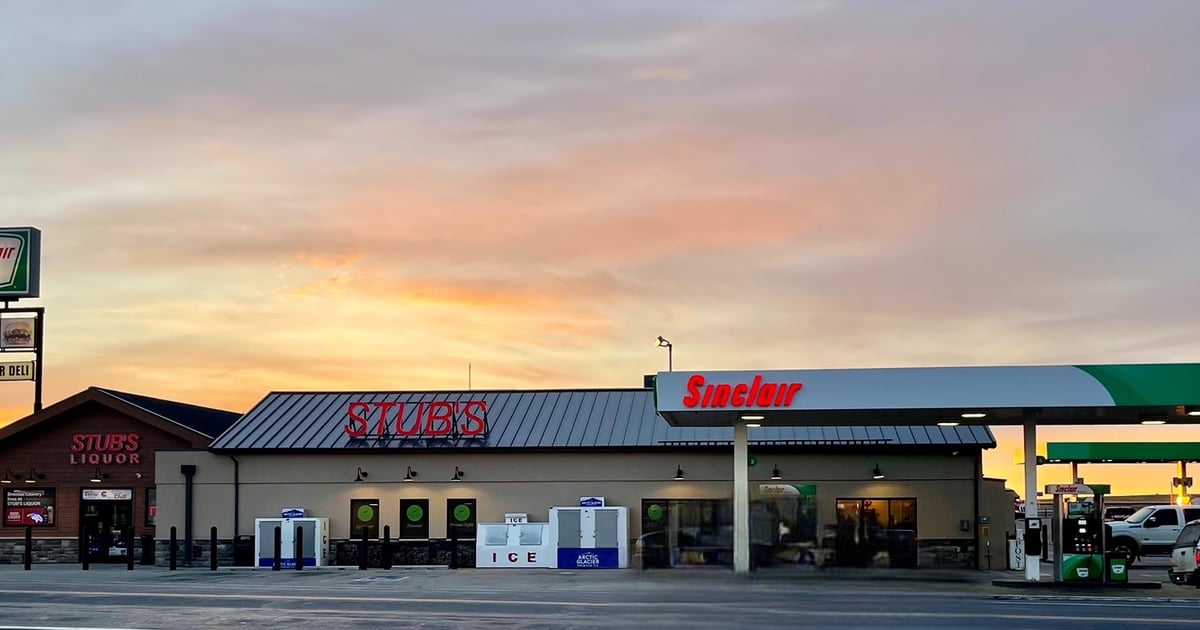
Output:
(752, 417)
(974, 414)
(877, 474)
(360, 475)
(408, 476)
(948, 423)
(1153, 421)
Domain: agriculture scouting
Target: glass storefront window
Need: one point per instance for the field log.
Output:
(876, 532)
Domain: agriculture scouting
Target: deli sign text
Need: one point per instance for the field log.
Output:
(431, 419)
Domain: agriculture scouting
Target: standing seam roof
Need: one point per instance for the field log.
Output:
(535, 419)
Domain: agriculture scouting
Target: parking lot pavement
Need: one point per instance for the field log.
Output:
(151, 597)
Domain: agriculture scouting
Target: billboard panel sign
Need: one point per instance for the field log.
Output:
(20, 262)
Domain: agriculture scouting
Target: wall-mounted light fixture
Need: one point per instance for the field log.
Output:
(458, 474)
(9, 476)
(877, 474)
(360, 475)
(98, 476)
(408, 476)
(775, 476)
(34, 476)
(678, 473)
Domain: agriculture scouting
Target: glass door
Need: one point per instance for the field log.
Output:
(105, 524)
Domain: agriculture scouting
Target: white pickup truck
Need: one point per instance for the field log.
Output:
(1150, 530)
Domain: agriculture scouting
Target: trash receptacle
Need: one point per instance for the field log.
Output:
(243, 551)
(1116, 567)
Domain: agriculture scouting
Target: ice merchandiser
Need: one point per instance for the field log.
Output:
(315, 551)
(515, 543)
(591, 537)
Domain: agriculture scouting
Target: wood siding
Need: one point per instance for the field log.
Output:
(47, 448)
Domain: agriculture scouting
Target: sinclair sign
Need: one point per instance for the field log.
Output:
(438, 419)
(20, 263)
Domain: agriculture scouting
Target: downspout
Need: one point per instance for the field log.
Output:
(236, 496)
(189, 473)
(975, 522)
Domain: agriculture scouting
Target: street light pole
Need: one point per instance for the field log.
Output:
(663, 343)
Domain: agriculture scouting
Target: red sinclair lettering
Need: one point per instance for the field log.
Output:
(433, 419)
(105, 448)
(757, 395)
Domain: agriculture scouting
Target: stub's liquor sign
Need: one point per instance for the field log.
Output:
(438, 419)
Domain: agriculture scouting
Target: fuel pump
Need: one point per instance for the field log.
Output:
(1078, 532)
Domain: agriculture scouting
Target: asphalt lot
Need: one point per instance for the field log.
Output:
(148, 597)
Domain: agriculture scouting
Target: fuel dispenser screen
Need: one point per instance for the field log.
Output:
(1081, 528)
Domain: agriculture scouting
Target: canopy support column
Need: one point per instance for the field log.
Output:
(741, 499)
(1033, 568)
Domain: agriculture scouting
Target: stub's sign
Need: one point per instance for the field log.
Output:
(438, 419)
(105, 448)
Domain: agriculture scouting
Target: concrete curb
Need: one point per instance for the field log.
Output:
(1077, 586)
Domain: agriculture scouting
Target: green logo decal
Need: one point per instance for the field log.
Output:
(655, 512)
(414, 513)
(752, 460)
(365, 513)
(462, 513)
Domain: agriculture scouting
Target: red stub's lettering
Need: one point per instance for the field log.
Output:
(474, 423)
(441, 418)
(437, 419)
(758, 394)
(357, 426)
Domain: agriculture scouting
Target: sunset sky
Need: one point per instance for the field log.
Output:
(243, 196)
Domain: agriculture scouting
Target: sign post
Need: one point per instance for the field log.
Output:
(21, 328)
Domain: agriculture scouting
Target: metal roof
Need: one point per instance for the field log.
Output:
(542, 419)
(206, 421)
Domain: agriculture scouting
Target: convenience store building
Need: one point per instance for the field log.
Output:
(908, 495)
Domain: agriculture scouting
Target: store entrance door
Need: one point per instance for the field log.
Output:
(106, 523)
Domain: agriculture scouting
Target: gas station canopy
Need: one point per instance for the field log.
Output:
(1005, 395)
(1122, 452)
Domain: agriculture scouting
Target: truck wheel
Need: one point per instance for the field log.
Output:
(1126, 548)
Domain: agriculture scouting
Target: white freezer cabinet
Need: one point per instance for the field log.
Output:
(315, 551)
(514, 546)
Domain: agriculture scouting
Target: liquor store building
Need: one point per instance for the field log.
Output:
(428, 465)
(85, 465)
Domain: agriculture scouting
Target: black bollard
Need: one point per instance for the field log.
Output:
(453, 547)
(87, 552)
(129, 548)
(278, 548)
(173, 552)
(387, 546)
(28, 548)
(300, 548)
(212, 549)
(362, 550)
